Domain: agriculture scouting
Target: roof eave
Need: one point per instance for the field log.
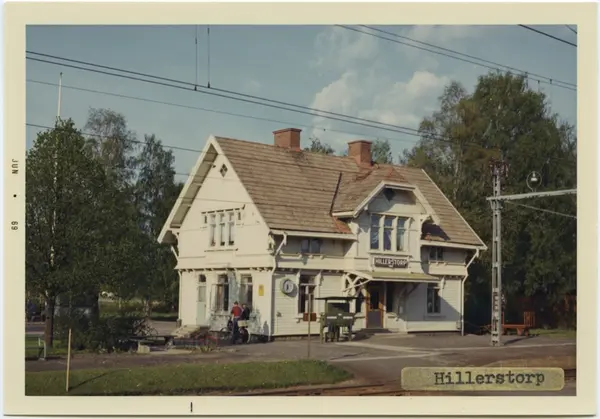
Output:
(187, 189)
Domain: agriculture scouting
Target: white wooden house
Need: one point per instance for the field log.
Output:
(255, 223)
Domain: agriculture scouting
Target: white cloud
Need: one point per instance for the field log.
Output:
(337, 48)
(405, 103)
(371, 87)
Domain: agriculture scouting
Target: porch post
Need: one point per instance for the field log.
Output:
(384, 310)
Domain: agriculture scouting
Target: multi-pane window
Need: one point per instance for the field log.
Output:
(433, 299)
(212, 229)
(306, 295)
(400, 234)
(436, 254)
(221, 226)
(310, 246)
(375, 222)
(222, 293)
(201, 297)
(246, 290)
(231, 228)
(388, 233)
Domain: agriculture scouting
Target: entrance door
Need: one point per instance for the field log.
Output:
(375, 306)
(201, 301)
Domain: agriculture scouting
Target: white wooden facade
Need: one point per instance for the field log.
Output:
(226, 253)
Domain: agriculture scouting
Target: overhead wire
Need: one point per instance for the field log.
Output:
(234, 114)
(162, 82)
(498, 66)
(542, 210)
(556, 38)
(213, 92)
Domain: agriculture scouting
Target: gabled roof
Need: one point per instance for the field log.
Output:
(300, 190)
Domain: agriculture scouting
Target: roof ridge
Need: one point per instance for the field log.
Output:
(217, 137)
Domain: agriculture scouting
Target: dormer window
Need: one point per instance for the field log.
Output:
(436, 254)
(310, 246)
(389, 194)
(388, 233)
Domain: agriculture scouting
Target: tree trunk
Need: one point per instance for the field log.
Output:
(50, 303)
(95, 309)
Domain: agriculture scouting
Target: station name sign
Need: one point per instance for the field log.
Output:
(388, 262)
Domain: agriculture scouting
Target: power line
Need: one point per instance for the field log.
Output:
(400, 129)
(571, 29)
(238, 115)
(212, 92)
(526, 73)
(542, 210)
(549, 36)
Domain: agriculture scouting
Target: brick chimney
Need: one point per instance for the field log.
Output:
(360, 150)
(288, 138)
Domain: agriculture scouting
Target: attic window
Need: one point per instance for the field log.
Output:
(389, 194)
(223, 170)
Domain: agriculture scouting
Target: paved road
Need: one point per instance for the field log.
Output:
(161, 327)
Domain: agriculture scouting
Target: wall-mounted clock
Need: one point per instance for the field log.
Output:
(287, 286)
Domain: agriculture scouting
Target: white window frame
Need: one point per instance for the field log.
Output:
(433, 290)
(221, 227)
(393, 229)
(221, 302)
(437, 252)
(303, 281)
(246, 289)
(310, 242)
(212, 230)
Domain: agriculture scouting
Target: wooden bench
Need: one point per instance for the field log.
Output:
(521, 329)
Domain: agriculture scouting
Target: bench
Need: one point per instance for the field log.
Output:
(41, 348)
(168, 339)
(521, 329)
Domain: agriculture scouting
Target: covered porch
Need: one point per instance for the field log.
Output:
(382, 296)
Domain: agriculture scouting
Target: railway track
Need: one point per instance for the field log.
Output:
(375, 389)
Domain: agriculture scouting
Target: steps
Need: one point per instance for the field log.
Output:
(185, 331)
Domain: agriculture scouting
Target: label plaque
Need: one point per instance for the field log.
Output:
(389, 262)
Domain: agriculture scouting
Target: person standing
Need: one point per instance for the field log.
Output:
(236, 313)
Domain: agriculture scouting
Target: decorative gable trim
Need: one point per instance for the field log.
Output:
(391, 185)
(194, 182)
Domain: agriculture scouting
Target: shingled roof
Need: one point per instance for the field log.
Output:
(300, 190)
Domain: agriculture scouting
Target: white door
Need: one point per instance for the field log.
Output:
(201, 301)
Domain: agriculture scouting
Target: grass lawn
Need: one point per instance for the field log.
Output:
(184, 379)
(33, 352)
(557, 333)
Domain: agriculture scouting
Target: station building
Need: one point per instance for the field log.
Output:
(257, 223)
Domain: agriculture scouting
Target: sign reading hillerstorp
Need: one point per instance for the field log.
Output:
(388, 262)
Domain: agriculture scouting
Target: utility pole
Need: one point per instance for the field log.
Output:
(499, 170)
(309, 294)
(54, 181)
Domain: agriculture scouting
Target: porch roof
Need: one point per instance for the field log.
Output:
(362, 277)
(403, 277)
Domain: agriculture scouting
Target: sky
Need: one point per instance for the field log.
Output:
(324, 67)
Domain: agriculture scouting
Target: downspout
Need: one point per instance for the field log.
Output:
(272, 274)
(462, 294)
(179, 320)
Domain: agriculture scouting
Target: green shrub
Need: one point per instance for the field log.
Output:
(107, 333)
